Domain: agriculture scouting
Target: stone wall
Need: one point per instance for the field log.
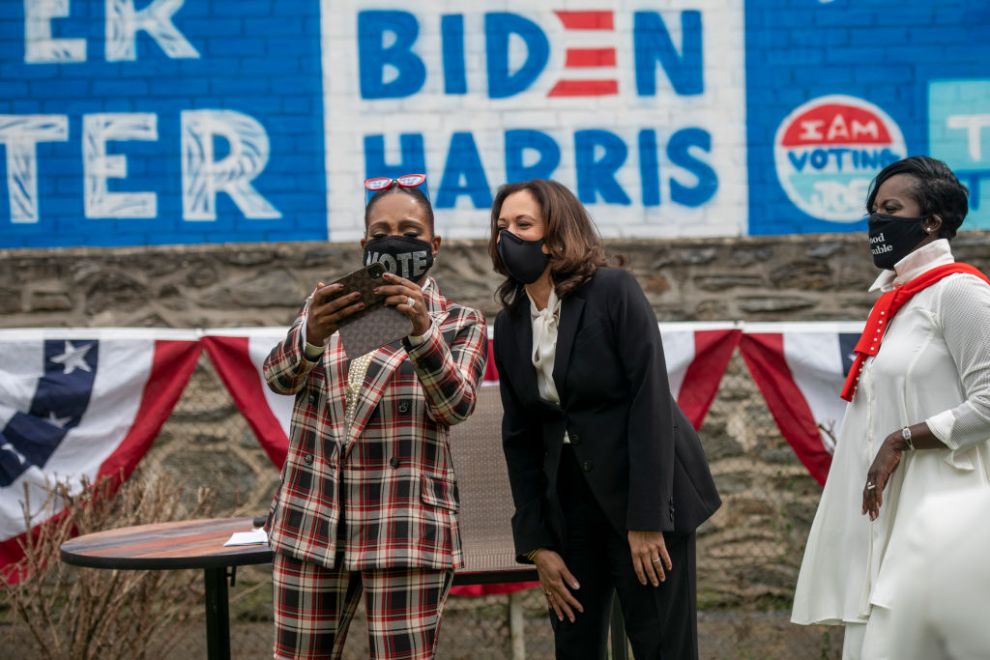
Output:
(748, 553)
(746, 279)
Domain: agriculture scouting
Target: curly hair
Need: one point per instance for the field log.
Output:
(576, 249)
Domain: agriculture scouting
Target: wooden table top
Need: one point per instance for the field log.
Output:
(169, 545)
(199, 544)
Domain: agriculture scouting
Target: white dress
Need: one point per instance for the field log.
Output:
(943, 594)
(933, 366)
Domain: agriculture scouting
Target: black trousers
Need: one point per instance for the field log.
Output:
(661, 622)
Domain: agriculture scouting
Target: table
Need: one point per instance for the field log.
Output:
(176, 545)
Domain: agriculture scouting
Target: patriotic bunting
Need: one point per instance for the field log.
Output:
(88, 403)
(800, 368)
(79, 403)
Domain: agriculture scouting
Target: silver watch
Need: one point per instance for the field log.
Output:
(906, 434)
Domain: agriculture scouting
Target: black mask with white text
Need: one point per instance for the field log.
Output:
(404, 256)
(525, 260)
(893, 237)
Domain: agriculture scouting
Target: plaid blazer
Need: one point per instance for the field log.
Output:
(390, 480)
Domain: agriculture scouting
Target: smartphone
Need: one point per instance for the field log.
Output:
(377, 324)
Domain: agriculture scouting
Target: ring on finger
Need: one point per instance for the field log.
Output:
(410, 301)
(656, 560)
(870, 485)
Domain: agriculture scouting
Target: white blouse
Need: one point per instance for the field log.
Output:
(545, 324)
(933, 366)
(545, 344)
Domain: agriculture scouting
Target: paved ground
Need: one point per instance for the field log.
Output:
(481, 631)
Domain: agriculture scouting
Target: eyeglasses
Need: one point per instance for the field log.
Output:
(385, 182)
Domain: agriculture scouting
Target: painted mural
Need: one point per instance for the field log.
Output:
(126, 122)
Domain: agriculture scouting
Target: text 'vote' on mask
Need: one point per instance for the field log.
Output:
(404, 256)
(893, 237)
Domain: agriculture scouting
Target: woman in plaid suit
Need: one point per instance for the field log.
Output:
(368, 499)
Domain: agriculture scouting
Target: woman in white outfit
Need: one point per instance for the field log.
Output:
(918, 422)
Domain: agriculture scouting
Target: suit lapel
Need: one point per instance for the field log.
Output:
(571, 310)
(384, 361)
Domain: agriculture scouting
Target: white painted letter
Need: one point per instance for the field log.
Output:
(972, 124)
(39, 46)
(20, 133)
(123, 23)
(98, 166)
(203, 177)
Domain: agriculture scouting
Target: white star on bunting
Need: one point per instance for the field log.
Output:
(9, 447)
(73, 358)
(60, 422)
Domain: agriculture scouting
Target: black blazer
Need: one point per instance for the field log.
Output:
(643, 460)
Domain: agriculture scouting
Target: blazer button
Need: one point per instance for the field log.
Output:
(313, 398)
(404, 407)
(394, 462)
(575, 438)
(588, 466)
(308, 459)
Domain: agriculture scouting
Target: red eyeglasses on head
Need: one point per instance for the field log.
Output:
(385, 182)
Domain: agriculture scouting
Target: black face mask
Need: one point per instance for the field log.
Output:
(405, 256)
(524, 260)
(893, 237)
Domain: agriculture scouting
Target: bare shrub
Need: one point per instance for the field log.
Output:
(86, 613)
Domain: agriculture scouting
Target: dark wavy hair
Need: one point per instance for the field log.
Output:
(936, 190)
(576, 249)
(416, 193)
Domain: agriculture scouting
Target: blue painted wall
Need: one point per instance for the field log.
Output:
(665, 118)
(257, 58)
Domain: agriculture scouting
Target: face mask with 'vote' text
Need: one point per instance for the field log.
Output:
(404, 256)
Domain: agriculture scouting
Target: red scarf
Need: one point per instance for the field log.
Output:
(884, 310)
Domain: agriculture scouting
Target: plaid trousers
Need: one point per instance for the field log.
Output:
(314, 606)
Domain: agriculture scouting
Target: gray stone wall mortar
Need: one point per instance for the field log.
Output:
(745, 279)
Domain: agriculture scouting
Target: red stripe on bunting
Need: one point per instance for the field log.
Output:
(764, 356)
(712, 352)
(491, 373)
(232, 358)
(172, 365)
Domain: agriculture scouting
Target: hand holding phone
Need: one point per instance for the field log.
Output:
(407, 297)
(330, 305)
(363, 319)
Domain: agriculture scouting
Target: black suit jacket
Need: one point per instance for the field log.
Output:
(643, 459)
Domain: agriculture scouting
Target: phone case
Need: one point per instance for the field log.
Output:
(377, 324)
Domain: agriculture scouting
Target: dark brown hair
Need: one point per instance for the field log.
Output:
(576, 249)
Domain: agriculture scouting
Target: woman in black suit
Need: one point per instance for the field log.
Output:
(608, 477)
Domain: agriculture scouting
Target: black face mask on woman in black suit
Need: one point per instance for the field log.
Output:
(525, 260)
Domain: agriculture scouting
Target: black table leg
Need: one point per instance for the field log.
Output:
(217, 615)
(618, 630)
